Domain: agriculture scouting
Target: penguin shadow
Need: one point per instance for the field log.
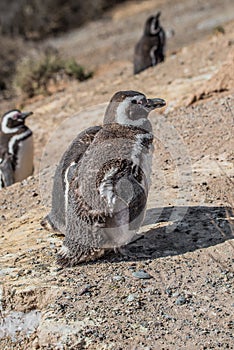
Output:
(178, 230)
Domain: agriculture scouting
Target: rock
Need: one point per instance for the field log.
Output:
(181, 300)
(84, 290)
(130, 298)
(141, 274)
(118, 278)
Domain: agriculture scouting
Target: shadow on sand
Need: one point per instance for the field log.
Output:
(200, 227)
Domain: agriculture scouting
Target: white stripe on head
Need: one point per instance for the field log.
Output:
(122, 115)
(16, 138)
(5, 129)
(154, 30)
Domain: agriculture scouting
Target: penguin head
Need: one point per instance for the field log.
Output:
(131, 108)
(152, 25)
(13, 121)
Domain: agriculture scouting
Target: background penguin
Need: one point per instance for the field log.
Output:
(102, 182)
(16, 148)
(149, 51)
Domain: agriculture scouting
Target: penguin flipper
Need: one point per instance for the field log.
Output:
(76, 150)
(6, 172)
(80, 145)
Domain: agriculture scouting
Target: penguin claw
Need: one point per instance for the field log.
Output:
(64, 258)
(46, 224)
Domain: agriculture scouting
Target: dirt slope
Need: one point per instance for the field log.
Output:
(187, 245)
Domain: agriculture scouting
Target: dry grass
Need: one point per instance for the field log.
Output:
(35, 73)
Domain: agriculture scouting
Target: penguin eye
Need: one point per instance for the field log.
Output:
(138, 102)
(16, 116)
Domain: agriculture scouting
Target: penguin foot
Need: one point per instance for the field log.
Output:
(67, 258)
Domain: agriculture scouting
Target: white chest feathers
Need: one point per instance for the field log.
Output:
(142, 155)
(24, 163)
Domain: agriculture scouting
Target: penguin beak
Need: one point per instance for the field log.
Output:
(24, 115)
(154, 103)
(158, 15)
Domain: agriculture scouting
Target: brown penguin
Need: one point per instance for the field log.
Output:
(102, 182)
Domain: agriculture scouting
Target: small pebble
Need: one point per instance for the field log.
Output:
(84, 290)
(168, 291)
(141, 274)
(130, 298)
(117, 278)
(181, 300)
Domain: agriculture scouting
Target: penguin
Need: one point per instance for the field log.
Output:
(16, 148)
(149, 51)
(102, 182)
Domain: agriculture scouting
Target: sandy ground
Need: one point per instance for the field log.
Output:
(184, 297)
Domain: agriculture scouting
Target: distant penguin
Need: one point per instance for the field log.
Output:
(102, 181)
(149, 51)
(16, 148)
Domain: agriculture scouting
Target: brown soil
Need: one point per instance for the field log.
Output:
(186, 245)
